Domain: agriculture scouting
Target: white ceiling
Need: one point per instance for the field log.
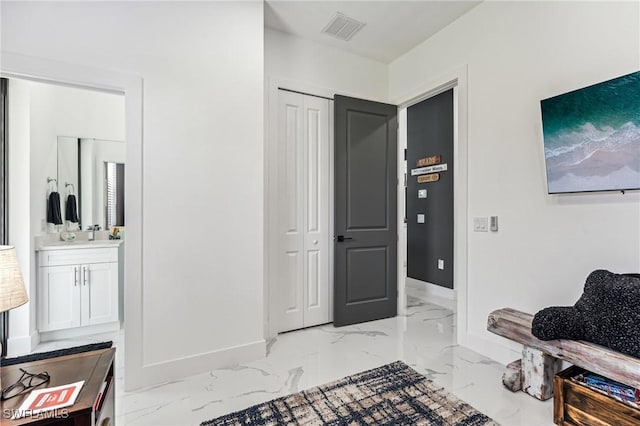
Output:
(392, 27)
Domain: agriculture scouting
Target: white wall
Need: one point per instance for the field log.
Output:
(202, 251)
(288, 57)
(517, 54)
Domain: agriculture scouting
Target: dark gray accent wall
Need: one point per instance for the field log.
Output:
(429, 133)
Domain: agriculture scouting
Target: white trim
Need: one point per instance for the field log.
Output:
(180, 368)
(402, 227)
(270, 220)
(51, 71)
(72, 333)
(456, 79)
(332, 182)
(19, 345)
(431, 290)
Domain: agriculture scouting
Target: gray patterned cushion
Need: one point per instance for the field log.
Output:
(607, 313)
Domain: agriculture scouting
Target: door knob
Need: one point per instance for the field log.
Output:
(315, 242)
(342, 238)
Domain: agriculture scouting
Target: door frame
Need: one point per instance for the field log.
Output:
(456, 79)
(66, 74)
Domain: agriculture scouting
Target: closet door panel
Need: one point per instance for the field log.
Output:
(316, 243)
(290, 218)
(303, 172)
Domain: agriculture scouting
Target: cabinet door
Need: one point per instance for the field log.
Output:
(99, 293)
(58, 297)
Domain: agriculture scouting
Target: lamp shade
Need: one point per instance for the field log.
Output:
(12, 291)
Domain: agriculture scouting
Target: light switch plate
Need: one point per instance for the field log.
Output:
(441, 264)
(480, 224)
(420, 218)
(422, 193)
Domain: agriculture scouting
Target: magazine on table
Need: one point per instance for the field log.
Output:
(48, 399)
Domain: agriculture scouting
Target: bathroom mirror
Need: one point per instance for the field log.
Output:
(93, 171)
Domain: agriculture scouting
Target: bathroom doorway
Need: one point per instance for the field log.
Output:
(59, 139)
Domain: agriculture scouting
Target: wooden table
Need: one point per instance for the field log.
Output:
(93, 367)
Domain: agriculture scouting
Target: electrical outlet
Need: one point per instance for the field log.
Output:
(494, 223)
(441, 264)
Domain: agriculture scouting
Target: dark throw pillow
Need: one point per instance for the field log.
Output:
(607, 313)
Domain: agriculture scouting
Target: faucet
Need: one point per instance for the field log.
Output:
(92, 231)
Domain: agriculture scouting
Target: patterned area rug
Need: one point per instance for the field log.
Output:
(393, 394)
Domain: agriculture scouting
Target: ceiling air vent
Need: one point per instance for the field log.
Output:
(343, 27)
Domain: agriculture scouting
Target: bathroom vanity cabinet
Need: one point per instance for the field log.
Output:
(77, 285)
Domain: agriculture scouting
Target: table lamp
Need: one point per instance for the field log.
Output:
(12, 291)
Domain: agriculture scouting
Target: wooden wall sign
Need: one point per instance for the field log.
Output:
(429, 161)
(434, 177)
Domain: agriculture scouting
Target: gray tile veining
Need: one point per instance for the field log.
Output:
(270, 344)
(423, 338)
(294, 379)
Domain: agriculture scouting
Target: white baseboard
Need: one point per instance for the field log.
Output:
(432, 293)
(431, 289)
(182, 367)
(72, 333)
(17, 346)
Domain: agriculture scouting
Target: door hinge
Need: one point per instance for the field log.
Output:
(405, 154)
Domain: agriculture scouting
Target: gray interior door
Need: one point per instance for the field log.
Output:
(365, 285)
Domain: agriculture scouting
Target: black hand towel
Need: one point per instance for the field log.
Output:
(53, 209)
(71, 209)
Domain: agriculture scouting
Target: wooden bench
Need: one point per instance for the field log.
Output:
(541, 360)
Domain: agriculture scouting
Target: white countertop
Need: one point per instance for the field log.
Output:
(78, 244)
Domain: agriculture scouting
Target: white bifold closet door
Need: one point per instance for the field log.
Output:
(303, 210)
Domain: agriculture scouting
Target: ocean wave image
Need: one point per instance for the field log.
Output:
(592, 137)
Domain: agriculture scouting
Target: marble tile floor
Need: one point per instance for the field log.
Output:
(423, 339)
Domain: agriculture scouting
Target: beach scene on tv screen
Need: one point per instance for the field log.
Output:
(592, 137)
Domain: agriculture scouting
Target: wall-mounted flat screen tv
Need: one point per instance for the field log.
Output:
(592, 137)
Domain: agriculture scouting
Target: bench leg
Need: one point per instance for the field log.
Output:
(512, 376)
(538, 370)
